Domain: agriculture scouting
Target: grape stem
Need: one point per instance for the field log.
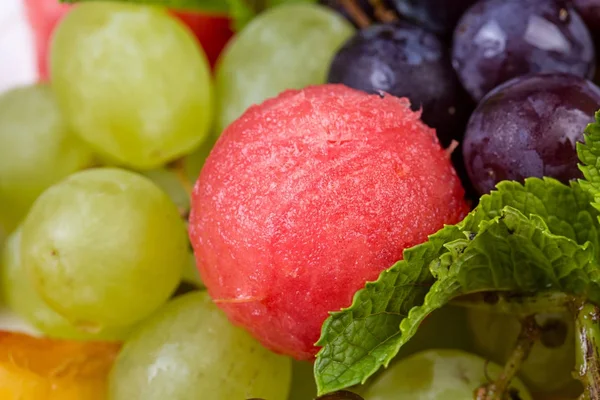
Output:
(516, 304)
(356, 13)
(587, 318)
(500, 389)
(382, 13)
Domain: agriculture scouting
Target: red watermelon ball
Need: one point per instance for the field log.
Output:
(309, 195)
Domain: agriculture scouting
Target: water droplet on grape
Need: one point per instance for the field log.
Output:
(529, 127)
(497, 40)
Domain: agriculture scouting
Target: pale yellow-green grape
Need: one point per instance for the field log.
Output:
(303, 381)
(20, 296)
(452, 321)
(191, 273)
(173, 185)
(36, 150)
(133, 82)
(287, 47)
(193, 162)
(104, 247)
(188, 350)
(437, 375)
(547, 369)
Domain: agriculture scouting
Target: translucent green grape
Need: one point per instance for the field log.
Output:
(169, 181)
(36, 150)
(188, 350)
(452, 321)
(132, 81)
(104, 248)
(191, 273)
(303, 381)
(437, 375)
(19, 295)
(193, 162)
(548, 368)
(286, 47)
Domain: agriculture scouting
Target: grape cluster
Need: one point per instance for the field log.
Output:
(435, 52)
(98, 167)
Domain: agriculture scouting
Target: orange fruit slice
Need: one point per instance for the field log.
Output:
(46, 369)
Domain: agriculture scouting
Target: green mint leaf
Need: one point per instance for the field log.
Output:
(516, 253)
(566, 210)
(510, 253)
(589, 156)
(536, 223)
(204, 6)
(358, 340)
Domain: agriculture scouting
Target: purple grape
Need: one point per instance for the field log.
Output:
(439, 16)
(406, 61)
(590, 12)
(497, 40)
(529, 127)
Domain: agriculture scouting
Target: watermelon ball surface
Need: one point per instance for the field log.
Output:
(309, 195)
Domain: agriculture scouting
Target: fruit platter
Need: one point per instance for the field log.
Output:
(300, 200)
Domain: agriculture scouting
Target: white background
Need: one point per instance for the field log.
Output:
(17, 57)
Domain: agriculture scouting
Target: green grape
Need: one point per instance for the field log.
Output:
(450, 320)
(10, 321)
(20, 296)
(132, 81)
(286, 47)
(188, 350)
(191, 273)
(303, 381)
(2, 236)
(104, 247)
(169, 181)
(547, 369)
(437, 375)
(193, 162)
(36, 150)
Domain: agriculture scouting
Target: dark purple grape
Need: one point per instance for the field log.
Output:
(439, 16)
(406, 61)
(497, 40)
(529, 127)
(590, 12)
(342, 395)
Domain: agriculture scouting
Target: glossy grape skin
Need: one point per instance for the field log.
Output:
(188, 350)
(547, 369)
(590, 12)
(406, 61)
(132, 81)
(497, 40)
(437, 375)
(20, 295)
(37, 149)
(286, 47)
(529, 127)
(105, 247)
(439, 16)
